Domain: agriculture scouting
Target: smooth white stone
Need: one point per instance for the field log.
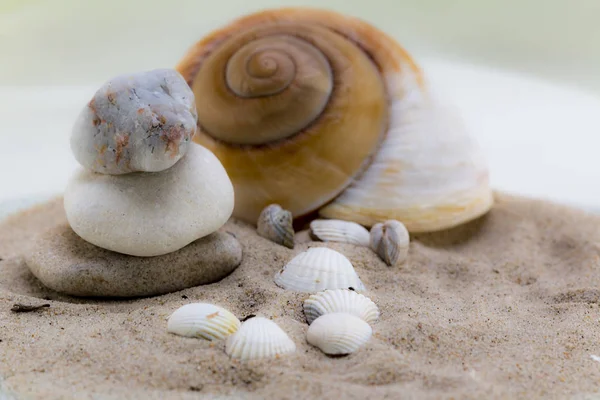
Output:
(149, 214)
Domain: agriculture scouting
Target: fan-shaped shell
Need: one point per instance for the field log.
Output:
(340, 301)
(335, 230)
(313, 110)
(317, 269)
(276, 224)
(259, 338)
(338, 333)
(203, 320)
(390, 240)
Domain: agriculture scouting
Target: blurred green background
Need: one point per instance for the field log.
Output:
(58, 42)
(540, 138)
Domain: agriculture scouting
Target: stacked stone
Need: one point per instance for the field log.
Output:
(144, 188)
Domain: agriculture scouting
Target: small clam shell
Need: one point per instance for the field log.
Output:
(338, 333)
(340, 301)
(317, 269)
(259, 338)
(390, 240)
(335, 230)
(276, 224)
(202, 320)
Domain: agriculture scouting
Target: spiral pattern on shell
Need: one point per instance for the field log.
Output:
(280, 79)
(277, 95)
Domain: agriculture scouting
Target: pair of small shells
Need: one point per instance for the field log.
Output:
(276, 224)
(390, 239)
(255, 338)
(317, 269)
(339, 320)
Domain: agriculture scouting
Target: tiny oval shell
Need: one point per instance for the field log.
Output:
(390, 240)
(276, 224)
(340, 301)
(335, 230)
(338, 333)
(259, 338)
(202, 320)
(317, 269)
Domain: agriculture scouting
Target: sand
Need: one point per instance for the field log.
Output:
(504, 307)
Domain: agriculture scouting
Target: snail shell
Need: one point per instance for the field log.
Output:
(314, 110)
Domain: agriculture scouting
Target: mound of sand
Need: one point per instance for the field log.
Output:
(503, 307)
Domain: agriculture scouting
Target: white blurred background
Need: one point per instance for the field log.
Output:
(524, 73)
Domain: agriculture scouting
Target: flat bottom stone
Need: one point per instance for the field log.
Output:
(64, 262)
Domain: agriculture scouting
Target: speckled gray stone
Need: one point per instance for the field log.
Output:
(137, 122)
(64, 262)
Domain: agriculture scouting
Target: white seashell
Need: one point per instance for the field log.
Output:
(390, 240)
(335, 230)
(259, 338)
(340, 301)
(338, 333)
(203, 320)
(276, 224)
(429, 172)
(317, 269)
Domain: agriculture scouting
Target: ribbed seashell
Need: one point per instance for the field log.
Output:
(259, 338)
(317, 269)
(338, 333)
(276, 224)
(340, 301)
(203, 320)
(318, 111)
(390, 240)
(335, 230)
